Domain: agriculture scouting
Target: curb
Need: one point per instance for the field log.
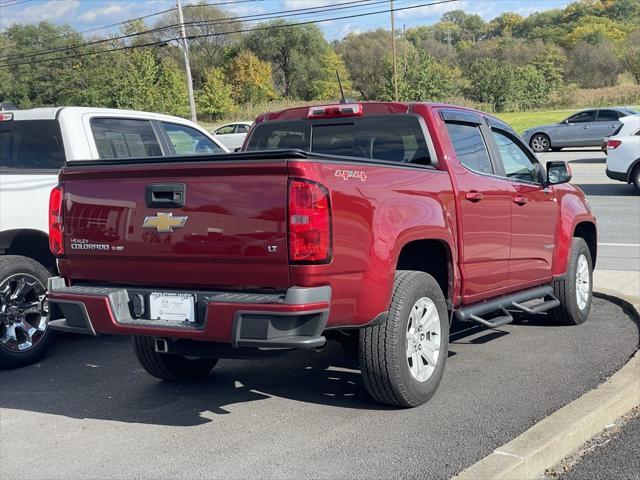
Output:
(563, 432)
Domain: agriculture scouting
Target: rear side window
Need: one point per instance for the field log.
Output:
(397, 138)
(469, 146)
(609, 115)
(125, 138)
(31, 145)
(189, 141)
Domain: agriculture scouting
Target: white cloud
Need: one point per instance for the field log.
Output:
(429, 10)
(52, 11)
(348, 28)
(94, 13)
(295, 4)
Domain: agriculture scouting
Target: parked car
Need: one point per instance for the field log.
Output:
(587, 128)
(232, 135)
(623, 152)
(34, 144)
(378, 223)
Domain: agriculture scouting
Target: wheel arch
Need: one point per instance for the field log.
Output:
(587, 231)
(635, 164)
(28, 243)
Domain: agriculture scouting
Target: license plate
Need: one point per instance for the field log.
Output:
(172, 307)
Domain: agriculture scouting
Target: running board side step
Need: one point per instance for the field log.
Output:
(474, 313)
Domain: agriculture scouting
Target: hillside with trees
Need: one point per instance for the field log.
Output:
(585, 54)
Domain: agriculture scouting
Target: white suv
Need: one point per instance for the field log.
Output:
(34, 144)
(623, 152)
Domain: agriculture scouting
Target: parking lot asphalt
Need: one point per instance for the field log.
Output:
(89, 411)
(615, 204)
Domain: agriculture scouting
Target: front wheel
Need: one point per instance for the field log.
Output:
(575, 290)
(173, 368)
(402, 360)
(24, 332)
(540, 143)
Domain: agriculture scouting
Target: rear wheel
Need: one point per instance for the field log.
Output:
(402, 360)
(540, 142)
(169, 367)
(574, 290)
(24, 332)
(635, 176)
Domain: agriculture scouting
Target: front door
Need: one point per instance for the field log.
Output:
(534, 213)
(485, 203)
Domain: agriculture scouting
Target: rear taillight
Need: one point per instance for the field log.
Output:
(613, 144)
(55, 220)
(309, 222)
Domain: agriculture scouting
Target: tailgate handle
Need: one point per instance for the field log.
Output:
(165, 195)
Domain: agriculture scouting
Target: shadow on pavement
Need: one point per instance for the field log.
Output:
(616, 189)
(602, 161)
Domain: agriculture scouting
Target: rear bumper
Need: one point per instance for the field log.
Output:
(620, 176)
(295, 319)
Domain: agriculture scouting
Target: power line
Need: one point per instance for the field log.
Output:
(9, 4)
(230, 20)
(124, 22)
(270, 27)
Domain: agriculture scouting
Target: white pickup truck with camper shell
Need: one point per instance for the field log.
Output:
(34, 144)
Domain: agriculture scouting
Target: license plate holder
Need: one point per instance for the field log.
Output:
(172, 307)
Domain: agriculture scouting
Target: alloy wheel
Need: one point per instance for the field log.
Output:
(423, 339)
(23, 312)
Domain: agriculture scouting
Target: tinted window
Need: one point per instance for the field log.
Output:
(470, 147)
(226, 130)
(608, 115)
(583, 117)
(517, 164)
(242, 129)
(189, 141)
(31, 145)
(397, 138)
(125, 138)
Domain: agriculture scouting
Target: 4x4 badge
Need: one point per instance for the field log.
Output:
(164, 222)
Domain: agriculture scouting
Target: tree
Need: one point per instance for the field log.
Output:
(214, 99)
(326, 87)
(425, 80)
(595, 30)
(294, 51)
(551, 63)
(364, 55)
(250, 78)
(472, 25)
(632, 55)
(506, 23)
(593, 66)
(489, 82)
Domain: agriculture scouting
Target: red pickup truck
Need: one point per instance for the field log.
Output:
(373, 223)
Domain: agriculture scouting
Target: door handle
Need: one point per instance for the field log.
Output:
(473, 196)
(520, 199)
(586, 127)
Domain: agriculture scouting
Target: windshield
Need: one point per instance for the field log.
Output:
(399, 138)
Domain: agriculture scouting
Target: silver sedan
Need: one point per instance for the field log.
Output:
(587, 128)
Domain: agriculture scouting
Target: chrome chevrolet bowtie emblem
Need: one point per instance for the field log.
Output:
(164, 222)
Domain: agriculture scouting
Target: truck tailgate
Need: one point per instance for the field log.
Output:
(230, 232)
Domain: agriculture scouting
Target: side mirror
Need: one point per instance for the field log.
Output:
(558, 172)
(237, 149)
(565, 122)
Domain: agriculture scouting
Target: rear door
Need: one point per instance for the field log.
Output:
(485, 204)
(606, 123)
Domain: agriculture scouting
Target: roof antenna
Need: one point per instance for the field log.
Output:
(343, 100)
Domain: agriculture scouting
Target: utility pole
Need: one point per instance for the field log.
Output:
(393, 47)
(404, 37)
(187, 66)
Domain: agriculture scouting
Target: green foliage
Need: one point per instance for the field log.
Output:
(593, 66)
(326, 86)
(632, 55)
(425, 80)
(214, 99)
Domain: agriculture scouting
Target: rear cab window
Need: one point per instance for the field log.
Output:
(31, 146)
(397, 138)
(125, 138)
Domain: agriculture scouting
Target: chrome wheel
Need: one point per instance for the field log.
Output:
(423, 339)
(23, 312)
(583, 282)
(540, 143)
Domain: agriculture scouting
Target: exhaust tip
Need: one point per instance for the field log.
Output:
(161, 345)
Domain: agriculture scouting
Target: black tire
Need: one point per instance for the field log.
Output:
(635, 176)
(540, 142)
(569, 312)
(172, 368)
(382, 348)
(11, 267)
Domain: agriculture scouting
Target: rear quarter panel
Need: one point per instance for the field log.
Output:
(376, 211)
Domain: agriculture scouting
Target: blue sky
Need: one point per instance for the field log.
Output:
(87, 14)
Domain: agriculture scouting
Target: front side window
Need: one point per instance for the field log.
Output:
(31, 145)
(583, 117)
(125, 138)
(469, 146)
(189, 141)
(517, 164)
(242, 129)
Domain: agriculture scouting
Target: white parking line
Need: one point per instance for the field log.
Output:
(636, 245)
